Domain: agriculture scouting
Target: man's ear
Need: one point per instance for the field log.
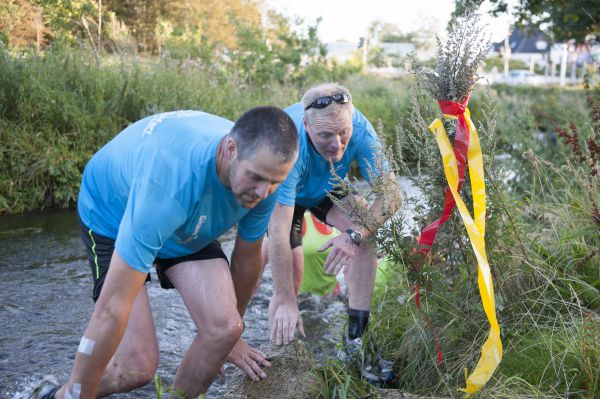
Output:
(305, 123)
(230, 148)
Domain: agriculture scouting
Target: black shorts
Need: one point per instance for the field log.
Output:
(320, 211)
(100, 249)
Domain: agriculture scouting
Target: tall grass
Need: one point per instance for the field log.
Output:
(58, 108)
(542, 238)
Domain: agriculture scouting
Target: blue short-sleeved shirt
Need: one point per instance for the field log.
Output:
(154, 189)
(310, 178)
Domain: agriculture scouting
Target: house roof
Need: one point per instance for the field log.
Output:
(525, 42)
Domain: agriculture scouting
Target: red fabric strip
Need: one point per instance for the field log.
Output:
(428, 234)
(461, 144)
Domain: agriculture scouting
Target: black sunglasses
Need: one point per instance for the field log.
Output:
(323, 102)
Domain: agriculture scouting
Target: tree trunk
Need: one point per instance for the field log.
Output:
(99, 25)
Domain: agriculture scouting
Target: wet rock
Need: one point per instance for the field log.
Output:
(288, 377)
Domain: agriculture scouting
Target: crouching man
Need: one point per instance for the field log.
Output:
(332, 134)
(160, 193)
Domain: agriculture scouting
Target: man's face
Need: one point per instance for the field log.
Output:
(254, 179)
(330, 135)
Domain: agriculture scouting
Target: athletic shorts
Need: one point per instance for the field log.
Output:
(100, 249)
(320, 211)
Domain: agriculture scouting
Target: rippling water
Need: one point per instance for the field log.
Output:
(45, 304)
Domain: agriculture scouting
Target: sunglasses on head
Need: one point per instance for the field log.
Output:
(323, 102)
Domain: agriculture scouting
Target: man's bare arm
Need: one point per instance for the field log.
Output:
(106, 327)
(280, 251)
(246, 266)
(383, 208)
(284, 316)
(342, 247)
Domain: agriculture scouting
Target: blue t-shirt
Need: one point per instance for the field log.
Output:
(310, 179)
(154, 189)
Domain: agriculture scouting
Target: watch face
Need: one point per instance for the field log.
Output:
(356, 237)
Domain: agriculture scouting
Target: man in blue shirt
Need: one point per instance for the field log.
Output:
(332, 135)
(161, 192)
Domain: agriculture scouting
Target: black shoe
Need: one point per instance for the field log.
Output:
(351, 351)
(45, 389)
(374, 369)
(378, 372)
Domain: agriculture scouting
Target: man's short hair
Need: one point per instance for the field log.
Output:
(266, 126)
(333, 109)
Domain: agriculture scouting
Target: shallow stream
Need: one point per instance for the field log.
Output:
(45, 304)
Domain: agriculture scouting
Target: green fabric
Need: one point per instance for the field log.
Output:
(382, 278)
(314, 279)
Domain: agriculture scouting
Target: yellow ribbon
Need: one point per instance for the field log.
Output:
(491, 351)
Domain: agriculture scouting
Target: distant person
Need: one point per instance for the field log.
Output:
(161, 192)
(331, 131)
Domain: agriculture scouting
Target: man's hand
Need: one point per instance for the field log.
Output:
(284, 317)
(249, 360)
(341, 254)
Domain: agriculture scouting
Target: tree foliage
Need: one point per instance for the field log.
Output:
(276, 52)
(20, 23)
(238, 38)
(142, 18)
(153, 24)
(387, 32)
(563, 19)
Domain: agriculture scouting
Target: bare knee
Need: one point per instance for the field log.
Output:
(224, 330)
(134, 370)
(364, 264)
(146, 368)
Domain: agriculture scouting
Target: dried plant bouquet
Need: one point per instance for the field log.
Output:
(457, 60)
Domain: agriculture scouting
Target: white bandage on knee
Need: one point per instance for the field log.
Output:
(86, 346)
(76, 392)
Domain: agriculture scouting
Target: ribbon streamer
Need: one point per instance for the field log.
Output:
(491, 351)
(450, 109)
(428, 234)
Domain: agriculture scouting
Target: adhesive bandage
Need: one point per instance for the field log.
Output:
(76, 392)
(86, 346)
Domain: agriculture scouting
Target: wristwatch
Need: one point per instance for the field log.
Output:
(355, 236)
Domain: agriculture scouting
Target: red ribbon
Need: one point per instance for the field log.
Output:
(428, 234)
(461, 145)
